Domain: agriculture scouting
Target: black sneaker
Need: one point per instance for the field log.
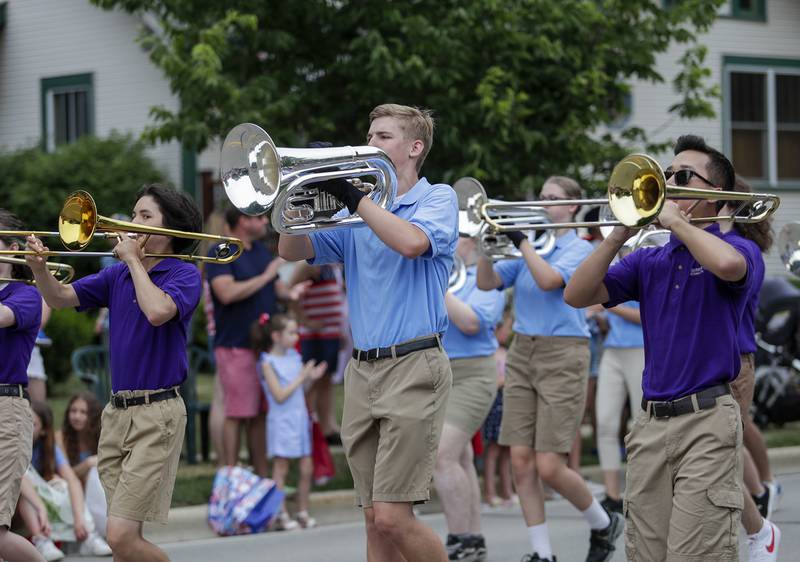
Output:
(612, 505)
(601, 543)
(536, 558)
(479, 544)
(764, 501)
(459, 547)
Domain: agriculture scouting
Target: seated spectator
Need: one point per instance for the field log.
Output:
(59, 488)
(78, 437)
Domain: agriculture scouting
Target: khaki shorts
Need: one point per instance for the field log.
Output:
(393, 416)
(16, 439)
(545, 392)
(474, 389)
(683, 498)
(138, 455)
(743, 385)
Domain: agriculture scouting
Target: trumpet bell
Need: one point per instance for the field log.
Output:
(789, 247)
(637, 190)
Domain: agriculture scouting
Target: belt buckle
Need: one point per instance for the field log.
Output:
(663, 410)
(121, 400)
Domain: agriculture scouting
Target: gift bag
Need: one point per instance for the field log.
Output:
(242, 503)
(324, 469)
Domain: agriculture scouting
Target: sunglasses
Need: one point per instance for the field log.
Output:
(684, 176)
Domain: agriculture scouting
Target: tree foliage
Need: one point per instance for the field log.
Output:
(520, 88)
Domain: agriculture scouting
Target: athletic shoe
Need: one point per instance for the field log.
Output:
(47, 549)
(766, 501)
(459, 547)
(286, 523)
(479, 543)
(94, 545)
(602, 542)
(612, 505)
(536, 558)
(765, 550)
(305, 520)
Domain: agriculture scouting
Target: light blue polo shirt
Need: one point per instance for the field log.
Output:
(621, 332)
(393, 299)
(488, 306)
(544, 313)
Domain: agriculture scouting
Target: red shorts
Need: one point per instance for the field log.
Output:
(241, 389)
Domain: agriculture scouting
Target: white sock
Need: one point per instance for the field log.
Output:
(763, 533)
(540, 540)
(596, 516)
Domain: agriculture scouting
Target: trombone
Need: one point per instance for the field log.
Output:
(79, 224)
(458, 275)
(61, 271)
(491, 242)
(637, 190)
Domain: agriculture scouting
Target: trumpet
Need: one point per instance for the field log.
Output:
(260, 177)
(79, 224)
(637, 191)
(61, 271)
(789, 247)
(491, 242)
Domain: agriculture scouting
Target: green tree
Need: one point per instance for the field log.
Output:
(519, 87)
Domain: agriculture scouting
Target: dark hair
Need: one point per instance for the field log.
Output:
(759, 232)
(178, 210)
(720, 169)
(261, 332)
(72, 439)
(232, 216)
(9, 221)
(47, 440)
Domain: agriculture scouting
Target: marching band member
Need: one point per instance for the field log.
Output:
(684, 494)
(470, 344)
(20, 316)
(763, 536)
(150, 302)
(546, 372)
(397, 384)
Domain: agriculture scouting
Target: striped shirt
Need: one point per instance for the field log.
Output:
(324, 301)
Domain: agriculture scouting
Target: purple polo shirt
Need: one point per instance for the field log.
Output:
(690, 317)
(143, 356)
(16, 342)
(747, 328)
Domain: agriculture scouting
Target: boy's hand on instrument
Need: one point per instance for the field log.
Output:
(671, 215)
(129, 249)
(36, 245)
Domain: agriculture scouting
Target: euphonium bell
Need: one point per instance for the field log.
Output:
(260, 177)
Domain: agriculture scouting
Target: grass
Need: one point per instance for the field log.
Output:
(193, 483)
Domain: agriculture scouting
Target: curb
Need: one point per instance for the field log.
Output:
(189, 523)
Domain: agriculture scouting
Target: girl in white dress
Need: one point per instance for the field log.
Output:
(282, 375)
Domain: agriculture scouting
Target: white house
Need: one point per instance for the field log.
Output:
(754, 55)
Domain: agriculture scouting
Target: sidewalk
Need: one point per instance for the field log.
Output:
(338, 506)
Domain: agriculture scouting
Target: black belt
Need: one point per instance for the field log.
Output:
(124, 402)
(396, 350)
(14, 390)
(706, 398)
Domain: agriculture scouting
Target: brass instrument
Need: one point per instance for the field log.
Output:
(61, 271)
(494, 244)
(637, 190)
(259, 177)
(79, 223)
(789, 247)
(458, 275)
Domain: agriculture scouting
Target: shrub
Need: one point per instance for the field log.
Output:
(69, 330)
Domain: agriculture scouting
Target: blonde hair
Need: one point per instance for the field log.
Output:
(417, 124)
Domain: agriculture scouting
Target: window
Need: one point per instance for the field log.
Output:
(67, 109)
(755, 10)
(762, 119)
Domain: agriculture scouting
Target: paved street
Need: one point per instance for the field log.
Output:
(504, 531)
